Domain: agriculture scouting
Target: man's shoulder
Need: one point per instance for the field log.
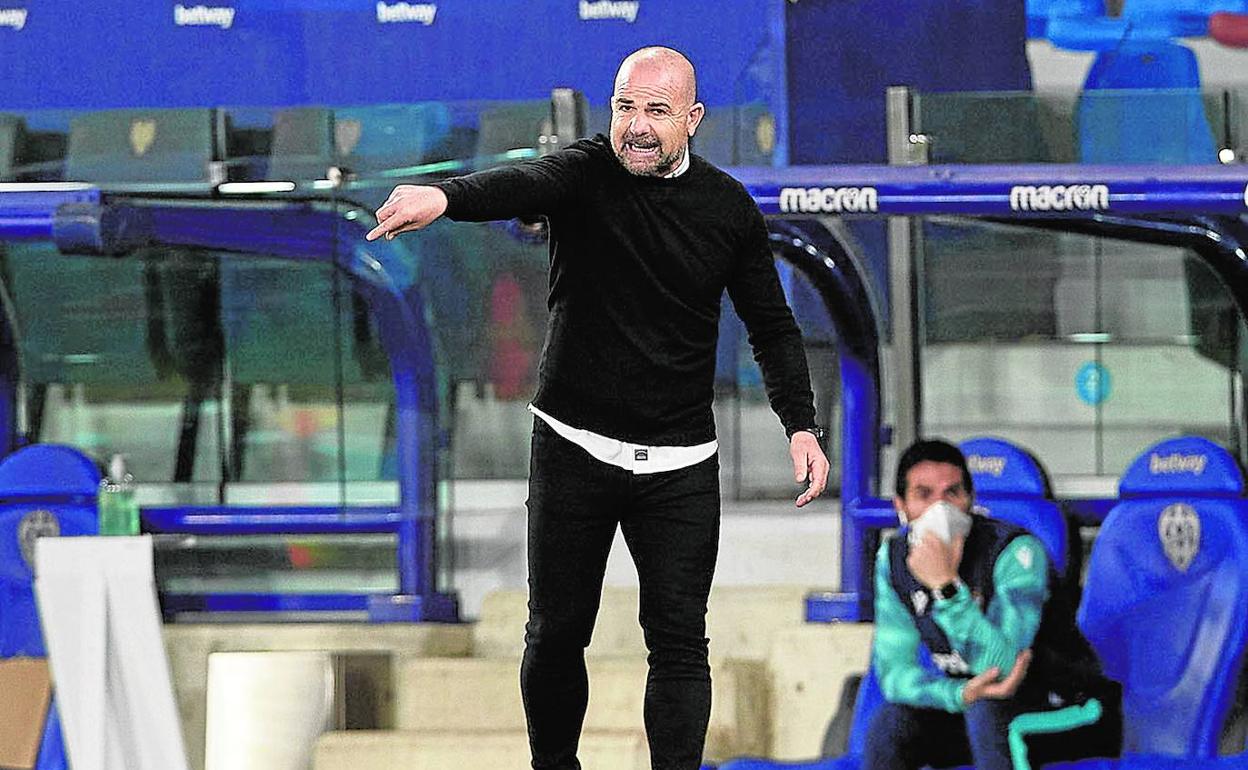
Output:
(715, 175)
(595, 148)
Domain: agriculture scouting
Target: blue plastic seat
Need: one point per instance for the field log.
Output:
(1166, 599)
(1011, 486)
(1142, 104)
(44, 490)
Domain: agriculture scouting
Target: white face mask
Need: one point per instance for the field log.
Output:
(944, 519)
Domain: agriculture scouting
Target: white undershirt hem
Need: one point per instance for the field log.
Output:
(637, 458)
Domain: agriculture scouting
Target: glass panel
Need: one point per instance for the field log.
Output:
(754, 457)
(112, 367)
(1093, 126)
(1083, 350)
(277, 564)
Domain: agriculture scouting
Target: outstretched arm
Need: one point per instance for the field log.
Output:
(535, 187)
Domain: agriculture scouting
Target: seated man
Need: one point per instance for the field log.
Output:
(971, 591)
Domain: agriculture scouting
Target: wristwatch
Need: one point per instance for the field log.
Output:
(949, 590)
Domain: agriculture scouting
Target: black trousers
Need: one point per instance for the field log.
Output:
(670, 523)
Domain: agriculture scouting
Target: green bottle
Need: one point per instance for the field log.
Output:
(117, 508)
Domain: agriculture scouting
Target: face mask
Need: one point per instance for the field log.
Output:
(942, 518)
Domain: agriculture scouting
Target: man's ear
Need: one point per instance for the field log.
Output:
(900, 507)
(694, 118)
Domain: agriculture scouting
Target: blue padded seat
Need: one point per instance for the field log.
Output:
(135, 146)
(1011, 486)
(1041, 12)
(46, 489)
(1166, 599)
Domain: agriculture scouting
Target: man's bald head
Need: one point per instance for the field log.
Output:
(667, 60)
(654, 111)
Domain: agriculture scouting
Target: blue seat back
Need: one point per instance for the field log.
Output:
(1166, 599)
(1011, 486)
(1153, 115)
(44, 490)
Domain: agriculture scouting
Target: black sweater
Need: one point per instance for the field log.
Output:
(637, 269)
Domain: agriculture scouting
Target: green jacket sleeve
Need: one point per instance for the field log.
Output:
(995, 636)
(894, 653)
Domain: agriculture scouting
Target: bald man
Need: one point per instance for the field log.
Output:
(644, 239)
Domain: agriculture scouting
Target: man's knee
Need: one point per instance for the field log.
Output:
(565, 630)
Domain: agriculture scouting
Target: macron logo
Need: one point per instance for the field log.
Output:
(1059, 197)
(609, 9)
(1177, 463)
(203, 16)
(829, 200)
(406, 13)
(15, 18)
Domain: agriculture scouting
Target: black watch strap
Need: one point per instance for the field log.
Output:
(948, 590)
(818, 432)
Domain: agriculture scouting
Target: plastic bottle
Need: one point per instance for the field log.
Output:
(117, 507)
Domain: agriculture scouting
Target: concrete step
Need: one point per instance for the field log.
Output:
(740, 621)
(807, 666)
(495, 750)
(189, 644)
(467, 694)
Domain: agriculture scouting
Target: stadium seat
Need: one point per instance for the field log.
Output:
(1230, 29)
(302, 147)
(45, 490)
(737, 135)
(128, 146)
(1166, 599)
(390, 136)
(10, 134)
(1011, 486)
(1142, 104)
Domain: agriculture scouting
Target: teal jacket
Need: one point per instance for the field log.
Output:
(992, 637)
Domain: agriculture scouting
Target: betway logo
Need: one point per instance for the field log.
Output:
(832, 200)
(609, 9)
(1060, 197)
(1177, 463)
(203, 16)
(406, 13)
(993, 466)
(16, 19)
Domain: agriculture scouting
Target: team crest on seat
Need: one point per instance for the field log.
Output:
(142, 134)
(1179, 529)
(347, 135)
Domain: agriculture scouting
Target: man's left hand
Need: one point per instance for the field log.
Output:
(809, 465)
(932, 561)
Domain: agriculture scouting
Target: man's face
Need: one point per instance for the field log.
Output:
(652, 118)
(928, 482)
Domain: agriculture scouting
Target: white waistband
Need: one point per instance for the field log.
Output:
(638, 458)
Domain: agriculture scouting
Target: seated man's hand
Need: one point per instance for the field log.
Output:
(986, 685)
(409, 207)
(934, 562)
